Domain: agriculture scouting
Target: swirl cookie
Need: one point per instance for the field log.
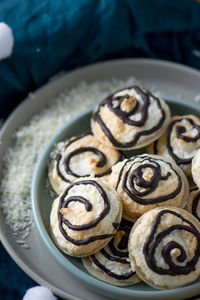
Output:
(164, 247)
(130, 118)
(111, 264)
(147, 181)
(179, 142)
(196, 168)
(85, 217)
(193, 204)
(80, 156)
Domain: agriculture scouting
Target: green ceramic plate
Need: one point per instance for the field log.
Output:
(41, 205)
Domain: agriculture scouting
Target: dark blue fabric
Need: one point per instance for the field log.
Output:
(13, 281)
(50, 36)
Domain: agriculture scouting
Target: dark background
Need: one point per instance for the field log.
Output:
(52, 36)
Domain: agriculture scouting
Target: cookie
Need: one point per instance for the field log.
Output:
(85, 217)
(164, 247)
(147, 181)
(193, 204)
(179, 142)
(196, 168)
(130, 118)
(111, 264)
(80, 156)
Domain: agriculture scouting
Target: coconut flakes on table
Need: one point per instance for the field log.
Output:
(30, 139)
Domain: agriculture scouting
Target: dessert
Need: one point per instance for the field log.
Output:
(80, 156)
(164, 247)
(111, 264)
(130, 118)
(193, 204)
(85, 217)
(196, 168)
(147, 181)
(179, 142)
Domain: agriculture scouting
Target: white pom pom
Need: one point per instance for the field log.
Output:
(40, 293)
(6, 40)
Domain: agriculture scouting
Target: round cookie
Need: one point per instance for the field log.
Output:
(179, 142)
(196, 168)
(80, 156)
(130, 118)
(193, 204)
(147, 181)
(164, 247)
(85, 217)
(111, 264)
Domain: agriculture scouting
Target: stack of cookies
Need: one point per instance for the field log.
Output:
(135, 218)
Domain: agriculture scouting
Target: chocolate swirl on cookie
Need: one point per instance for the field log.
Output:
(64, 202)
(65, 159)
(176, 265)
(143, 177)
(117, 104)
(182, 129)
(116, 251)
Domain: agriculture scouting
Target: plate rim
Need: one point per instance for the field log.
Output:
(28, 100)
(53, 79)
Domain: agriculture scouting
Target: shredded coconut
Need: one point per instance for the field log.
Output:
(28, 142)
